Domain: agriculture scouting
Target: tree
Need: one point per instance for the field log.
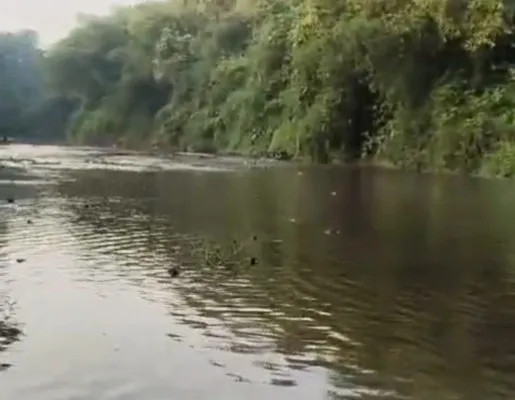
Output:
(418, 83)
(21, 80)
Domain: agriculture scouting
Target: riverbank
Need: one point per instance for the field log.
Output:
(264, 159)
(499, 168)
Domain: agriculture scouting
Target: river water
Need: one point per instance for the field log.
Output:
(329, 283)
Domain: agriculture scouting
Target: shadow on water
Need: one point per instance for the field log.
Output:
(400, 286)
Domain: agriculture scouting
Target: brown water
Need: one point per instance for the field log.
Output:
(368, 284)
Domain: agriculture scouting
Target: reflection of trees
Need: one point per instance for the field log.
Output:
(413, 297)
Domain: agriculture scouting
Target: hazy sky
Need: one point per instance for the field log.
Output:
(52, 19)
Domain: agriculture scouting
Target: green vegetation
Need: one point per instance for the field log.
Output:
(425, 84)
(20, 85)
(27, 107)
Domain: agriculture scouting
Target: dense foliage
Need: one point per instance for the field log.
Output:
(26, 108)
(417, 83)
(19, 83)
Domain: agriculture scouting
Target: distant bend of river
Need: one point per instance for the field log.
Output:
(129, 276)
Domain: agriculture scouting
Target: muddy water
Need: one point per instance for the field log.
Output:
(367, 284)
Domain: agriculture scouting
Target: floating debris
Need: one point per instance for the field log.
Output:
(333, 193)
(20, 260)
(253, 260)
(216, 364)
(8, 334)
(238, 378)
(10, 200)
(4, 366)
(232, 257)
(285, 382)
(173, 272)
(29, 221)
(175, 337)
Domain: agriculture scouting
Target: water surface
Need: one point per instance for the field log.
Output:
(368, 284)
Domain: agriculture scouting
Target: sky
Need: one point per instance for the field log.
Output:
(52, 19)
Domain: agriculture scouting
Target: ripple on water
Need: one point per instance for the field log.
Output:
(318, 317)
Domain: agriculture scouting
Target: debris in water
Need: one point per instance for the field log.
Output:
(4, 366)
(216, 363)
(175, 337)
(253, 261)
(238, 378)
(20, 260)
(333, 193)
(173, 271)
(10, 200)
(293, 220)
(283, 382)
(29, 221)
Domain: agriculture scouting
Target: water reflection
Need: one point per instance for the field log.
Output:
(410, 295)
(368, 284)
(9, 331)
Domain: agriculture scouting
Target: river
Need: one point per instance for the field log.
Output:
(329, 283)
